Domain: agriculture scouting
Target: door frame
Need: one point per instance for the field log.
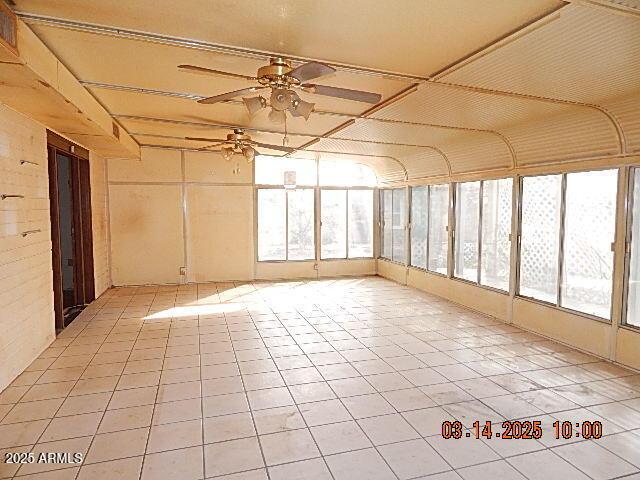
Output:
(84, 288)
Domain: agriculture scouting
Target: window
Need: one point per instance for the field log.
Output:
(286, 224)
(438, 236)
(333, 214)
(539, 248)
(272, 224)
(466, 232)
(270, 170)
(419, 223)
(394, 205)
(360, 223)
(568, 226)
(301, 225)
(497, 201)
(399, 222)
(483, 226)
(429, 220)
(633, 285)
(589, 231)
(347, 221)
(386, 204)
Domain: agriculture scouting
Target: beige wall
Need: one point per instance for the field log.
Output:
(100, 224)
(174, 209)
(26, 298)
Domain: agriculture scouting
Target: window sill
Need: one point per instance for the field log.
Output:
(563, 309)
(391, 261)
(430, 272)
(479, 285)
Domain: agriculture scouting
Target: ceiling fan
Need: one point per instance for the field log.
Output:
(283, 79)
(240, 143)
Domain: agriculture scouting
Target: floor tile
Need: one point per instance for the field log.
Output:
(340, 437)
(367, 405)
(321, 413)
(359, 464)
(278, 419)
(314, 469)
(185, 464)
(232, 456)
(414, 458)
(228, 427)
(387, 429)
(111, 446)
(595, 461)
(545, 465)
(174, 436)
(490, 471)
(124, 469)
(126, 419)
(289, 446)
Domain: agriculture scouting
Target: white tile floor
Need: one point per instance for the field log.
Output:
(336, 379)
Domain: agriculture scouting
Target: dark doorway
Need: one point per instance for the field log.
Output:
(71, 236)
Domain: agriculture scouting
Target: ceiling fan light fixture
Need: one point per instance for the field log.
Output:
(249, 153)
(254, 104)
(277, 116)
(300, 108)
(227, 153)
(281, 99)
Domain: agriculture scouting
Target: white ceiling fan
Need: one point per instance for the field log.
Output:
(283, 80)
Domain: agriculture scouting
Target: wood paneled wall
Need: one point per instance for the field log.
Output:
(27, 324)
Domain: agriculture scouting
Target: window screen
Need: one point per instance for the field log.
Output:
(495, 261)
(539, 247)
(467, 233)
(589, 231)
(419, 223)
(437, 235)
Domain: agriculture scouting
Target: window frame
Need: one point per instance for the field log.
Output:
(347, 190)
(286, 225)
(515, 207)
(456, 204)
(629, 206)
(316, 223)
(429, 188)
(561, 246)
(405, 227)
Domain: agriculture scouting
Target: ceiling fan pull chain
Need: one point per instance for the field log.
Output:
(285, 139)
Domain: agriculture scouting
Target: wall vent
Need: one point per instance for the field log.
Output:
(8, 28)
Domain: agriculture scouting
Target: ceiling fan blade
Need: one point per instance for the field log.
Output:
(207, 147)
(229, 95)
(273, 147)
(204, 139)
(196, 69)
(311, 70)
(347, 94)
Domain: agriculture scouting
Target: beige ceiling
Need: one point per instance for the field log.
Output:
(558, 82)
(411, 36)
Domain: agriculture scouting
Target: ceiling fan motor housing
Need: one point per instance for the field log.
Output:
(276, 74)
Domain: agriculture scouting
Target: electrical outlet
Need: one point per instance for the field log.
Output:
(183, 271)
(315, 266)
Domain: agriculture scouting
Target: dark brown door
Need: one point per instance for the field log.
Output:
(71, 235)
